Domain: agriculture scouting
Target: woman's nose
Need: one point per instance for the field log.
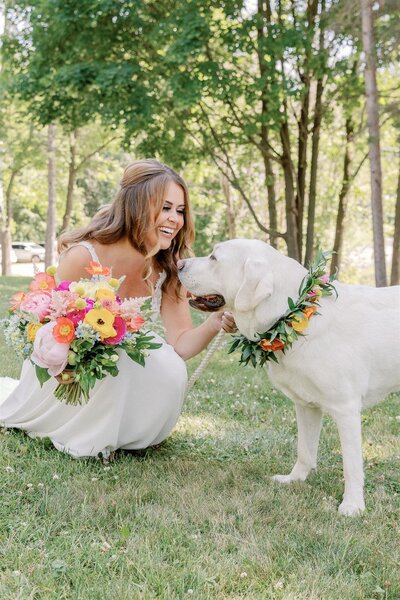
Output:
(173, 218)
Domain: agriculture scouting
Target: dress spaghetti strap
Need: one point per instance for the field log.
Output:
(89, 246)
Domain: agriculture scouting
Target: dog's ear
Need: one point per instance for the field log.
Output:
(257, 285)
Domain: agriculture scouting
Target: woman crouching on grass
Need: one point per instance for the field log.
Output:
(141, 235)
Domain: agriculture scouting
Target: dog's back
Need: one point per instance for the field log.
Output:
(352, 346)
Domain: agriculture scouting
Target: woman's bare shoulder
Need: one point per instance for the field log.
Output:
(72, 263)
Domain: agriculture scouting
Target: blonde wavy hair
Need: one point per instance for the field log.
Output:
(135, 209)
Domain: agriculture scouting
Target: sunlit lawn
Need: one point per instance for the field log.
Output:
(199, 517)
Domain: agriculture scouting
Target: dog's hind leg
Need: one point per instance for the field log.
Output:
(309, 420)
(349, 427)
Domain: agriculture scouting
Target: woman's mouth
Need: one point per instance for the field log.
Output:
(167, 231)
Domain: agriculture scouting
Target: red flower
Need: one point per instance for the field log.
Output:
(120, 327)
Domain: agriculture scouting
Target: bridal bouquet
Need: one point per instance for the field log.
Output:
(72, 330)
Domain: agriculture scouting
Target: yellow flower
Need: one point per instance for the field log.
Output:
(299, 324)
(102, 320)
(31, 330)
(103, 294)
(51, 271)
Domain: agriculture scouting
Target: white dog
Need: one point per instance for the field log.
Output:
(348, 359)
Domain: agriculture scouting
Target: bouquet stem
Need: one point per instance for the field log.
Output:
(70, 393)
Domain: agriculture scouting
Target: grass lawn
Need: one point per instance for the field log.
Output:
(199, 517)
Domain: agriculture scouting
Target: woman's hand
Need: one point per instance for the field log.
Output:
(223, 320)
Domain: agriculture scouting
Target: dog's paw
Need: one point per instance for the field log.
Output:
(283, 478)
(351, 509)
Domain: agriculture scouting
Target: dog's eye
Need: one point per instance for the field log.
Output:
(212, 257)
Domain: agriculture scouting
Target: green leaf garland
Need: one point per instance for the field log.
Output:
(289, 327)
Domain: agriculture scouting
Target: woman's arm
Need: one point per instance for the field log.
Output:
(180, 333)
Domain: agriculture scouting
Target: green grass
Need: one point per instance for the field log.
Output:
(199, 516)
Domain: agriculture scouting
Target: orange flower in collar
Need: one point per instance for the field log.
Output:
(271, 346)
(309, 311)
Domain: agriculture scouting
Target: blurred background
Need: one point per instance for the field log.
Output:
(282, 115)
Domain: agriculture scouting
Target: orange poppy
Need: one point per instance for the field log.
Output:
(95, 268)
(64, 330)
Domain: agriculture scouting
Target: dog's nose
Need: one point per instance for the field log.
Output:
(180, 264)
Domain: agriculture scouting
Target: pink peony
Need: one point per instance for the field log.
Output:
(47, 352)
(37, 303)
(120, 327)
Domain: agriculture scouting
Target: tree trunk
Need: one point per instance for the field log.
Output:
(395, 274)
(312, 195)
(373, 142)
(6, 229)
(6, 251)
(270, 185)
(264, 12)
(343, 199)
(303, 129)
(230, 215)
(315, 137)
(71, 181)
(291, 220)
(50, 256)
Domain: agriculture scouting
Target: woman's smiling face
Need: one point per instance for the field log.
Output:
(171, 219)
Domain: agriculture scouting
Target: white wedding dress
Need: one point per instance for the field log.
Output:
(136, 409)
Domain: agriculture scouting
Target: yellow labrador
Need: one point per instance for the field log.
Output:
(349, 358)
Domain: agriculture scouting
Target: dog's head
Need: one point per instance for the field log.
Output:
(238, 274)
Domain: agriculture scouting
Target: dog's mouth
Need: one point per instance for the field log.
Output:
(208, 303)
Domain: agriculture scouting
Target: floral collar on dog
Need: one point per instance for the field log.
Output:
(291, 325)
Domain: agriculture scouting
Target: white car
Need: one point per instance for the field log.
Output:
(28, 252)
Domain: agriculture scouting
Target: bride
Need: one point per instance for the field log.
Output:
(142, 235)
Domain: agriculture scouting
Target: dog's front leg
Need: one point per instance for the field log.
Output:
(349, 427)
(309, 420)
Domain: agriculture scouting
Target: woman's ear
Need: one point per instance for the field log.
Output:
(257, 285)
